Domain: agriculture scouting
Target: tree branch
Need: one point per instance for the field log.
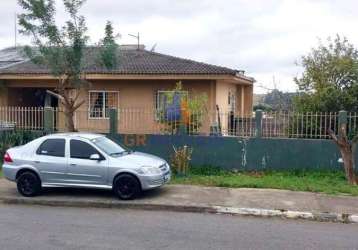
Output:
(333, 135)
(79, 105)
(54, 94)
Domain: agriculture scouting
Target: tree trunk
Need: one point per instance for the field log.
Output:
(348, 162)
(70, 103)
(347, 151)
(69, 123)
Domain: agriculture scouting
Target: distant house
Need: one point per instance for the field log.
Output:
(139, 82)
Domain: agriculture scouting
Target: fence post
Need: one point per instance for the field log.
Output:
(48, 119)
(342, 121)
(258, 123)
(113, 121)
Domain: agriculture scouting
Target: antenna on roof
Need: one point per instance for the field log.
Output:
(15, 30)
(153, 48)
(138, 39)
(274, 82)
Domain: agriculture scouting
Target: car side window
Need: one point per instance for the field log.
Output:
(52, 147)
(82, 150)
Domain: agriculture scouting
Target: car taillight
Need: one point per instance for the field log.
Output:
(7, 158)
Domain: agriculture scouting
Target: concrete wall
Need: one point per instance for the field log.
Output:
(230, 153)
(243, 154)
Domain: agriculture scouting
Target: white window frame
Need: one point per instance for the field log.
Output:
(232, 101)
(104, 103)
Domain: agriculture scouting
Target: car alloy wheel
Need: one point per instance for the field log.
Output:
(28, 184)
(126, 187)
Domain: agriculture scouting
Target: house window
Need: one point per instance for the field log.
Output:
(100, 102)
(165, 98)
(232, 101)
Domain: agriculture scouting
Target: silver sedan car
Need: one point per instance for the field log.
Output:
(83, 160)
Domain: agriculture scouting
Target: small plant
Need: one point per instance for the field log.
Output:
(182, 111)
(180, 160)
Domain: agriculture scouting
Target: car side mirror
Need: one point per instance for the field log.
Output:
(95, 157)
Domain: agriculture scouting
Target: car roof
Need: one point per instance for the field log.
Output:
(88, 136)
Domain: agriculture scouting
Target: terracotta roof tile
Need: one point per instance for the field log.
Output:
(131, 61)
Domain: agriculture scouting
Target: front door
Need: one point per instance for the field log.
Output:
(81, 169)
(51, 162)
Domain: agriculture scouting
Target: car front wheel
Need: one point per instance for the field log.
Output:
(28, 184)
(126, 187)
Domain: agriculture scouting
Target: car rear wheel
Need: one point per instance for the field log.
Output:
(28, 184)
(126, 187)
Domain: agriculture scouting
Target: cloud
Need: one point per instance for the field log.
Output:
(265, 38)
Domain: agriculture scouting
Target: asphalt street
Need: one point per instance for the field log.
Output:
(40, 227)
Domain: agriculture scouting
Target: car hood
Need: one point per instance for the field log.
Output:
(141, 159)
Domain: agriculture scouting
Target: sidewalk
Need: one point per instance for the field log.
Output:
(244, 201)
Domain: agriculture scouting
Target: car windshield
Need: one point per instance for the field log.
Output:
(109, 147)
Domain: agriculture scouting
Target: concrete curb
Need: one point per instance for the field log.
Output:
(322, 217)
(267, 213)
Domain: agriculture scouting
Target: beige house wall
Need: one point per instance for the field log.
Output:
(222, 93)
(243, 98)
(137, 101)
(244, 95)
(136, 104)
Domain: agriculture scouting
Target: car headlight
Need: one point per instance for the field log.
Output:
(149, 170)
(167, 165)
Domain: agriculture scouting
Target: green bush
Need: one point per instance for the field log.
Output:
(10, 139)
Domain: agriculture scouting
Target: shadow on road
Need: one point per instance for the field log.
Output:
(96, 193)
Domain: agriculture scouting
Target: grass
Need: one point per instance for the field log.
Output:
(312, 181)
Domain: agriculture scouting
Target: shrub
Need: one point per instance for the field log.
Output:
(10, 139)
(180, 160)
(181, 111)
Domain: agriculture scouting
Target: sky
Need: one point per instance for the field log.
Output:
(266, 38)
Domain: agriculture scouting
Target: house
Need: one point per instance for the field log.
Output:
(137, 84)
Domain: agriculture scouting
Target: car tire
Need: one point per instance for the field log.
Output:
(126, 187)
(28, 184)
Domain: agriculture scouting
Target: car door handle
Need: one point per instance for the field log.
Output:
(73, 164)
(37, 161)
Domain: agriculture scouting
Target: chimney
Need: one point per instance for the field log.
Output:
(132, 47)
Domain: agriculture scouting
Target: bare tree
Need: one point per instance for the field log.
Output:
(347, 149)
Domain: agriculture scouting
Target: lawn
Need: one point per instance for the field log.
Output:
(312, 181)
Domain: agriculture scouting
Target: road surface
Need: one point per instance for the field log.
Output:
(38, 227)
